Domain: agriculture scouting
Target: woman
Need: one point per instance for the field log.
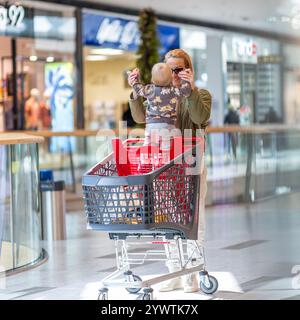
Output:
(193, 113)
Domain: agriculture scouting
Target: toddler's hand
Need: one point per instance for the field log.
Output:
(133, 76)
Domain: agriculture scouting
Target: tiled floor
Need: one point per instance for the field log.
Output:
(252, 250)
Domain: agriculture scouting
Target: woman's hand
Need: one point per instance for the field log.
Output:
(188, 75)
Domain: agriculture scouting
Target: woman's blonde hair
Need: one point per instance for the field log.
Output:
(181, 54)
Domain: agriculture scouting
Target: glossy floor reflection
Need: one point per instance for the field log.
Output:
(252, 250)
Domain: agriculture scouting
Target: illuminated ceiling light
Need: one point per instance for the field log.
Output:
(293, 20)
(107, 51)
(272, 19)
(95, 58)
(285, 19)
(50, 59)
(296, 23)
(33, 58)
(295, 9)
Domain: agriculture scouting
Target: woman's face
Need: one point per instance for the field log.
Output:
(176, 65)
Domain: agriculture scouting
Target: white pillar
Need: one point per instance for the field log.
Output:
(216, 69)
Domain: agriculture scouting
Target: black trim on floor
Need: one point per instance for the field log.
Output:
(36, 263)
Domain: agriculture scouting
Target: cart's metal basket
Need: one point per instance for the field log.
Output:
(152, 197)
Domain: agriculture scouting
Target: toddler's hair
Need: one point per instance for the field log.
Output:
(161, 74)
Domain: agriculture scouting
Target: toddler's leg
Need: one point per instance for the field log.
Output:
(152, 134)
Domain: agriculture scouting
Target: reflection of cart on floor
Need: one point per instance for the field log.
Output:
(143, 196)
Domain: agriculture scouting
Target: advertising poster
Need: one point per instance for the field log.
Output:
(59, 84)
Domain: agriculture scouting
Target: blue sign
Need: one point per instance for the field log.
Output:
(169, 38)
(119, 33)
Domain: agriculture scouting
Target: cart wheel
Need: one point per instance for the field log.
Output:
(134, 290)
(103, 294)
(146, 295)
(213, 285)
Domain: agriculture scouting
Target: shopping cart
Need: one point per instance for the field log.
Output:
(142, 195)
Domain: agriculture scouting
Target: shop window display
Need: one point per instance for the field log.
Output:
(37, 111)
(41, 47)
(102, 114)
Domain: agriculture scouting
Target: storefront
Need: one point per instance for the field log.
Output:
(254, 78)
(37, 71)
(291, 55)
(38, 45)
(244, 69)
(110, 44)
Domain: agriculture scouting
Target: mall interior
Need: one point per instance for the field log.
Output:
(65, 228)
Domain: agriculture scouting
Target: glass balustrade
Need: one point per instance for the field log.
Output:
(243, 166)
(20, 215)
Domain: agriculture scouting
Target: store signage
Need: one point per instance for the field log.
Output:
(19, 21)
(119, 33)
(11, 16)
(244, 48)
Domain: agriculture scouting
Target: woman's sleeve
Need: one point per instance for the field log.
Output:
(137, 109)
(200, 106)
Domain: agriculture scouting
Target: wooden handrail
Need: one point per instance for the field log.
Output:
(254, 129)
(19, 138)
(237, 129)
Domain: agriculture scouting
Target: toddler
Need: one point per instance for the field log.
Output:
(162, 100)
